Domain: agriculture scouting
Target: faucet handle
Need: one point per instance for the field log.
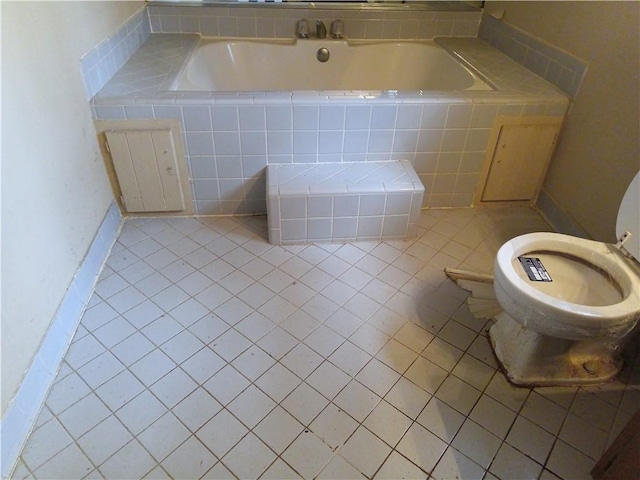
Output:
(302, 28)
(337, 29)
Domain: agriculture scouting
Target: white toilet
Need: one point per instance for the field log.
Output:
(568, 303)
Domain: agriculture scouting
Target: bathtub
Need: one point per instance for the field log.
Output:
(441, 121)
(217, 65)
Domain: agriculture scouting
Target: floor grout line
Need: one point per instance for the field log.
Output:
(386, 294)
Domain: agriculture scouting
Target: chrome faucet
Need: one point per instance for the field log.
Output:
(337, 29)
(302, 29)
(321, 30)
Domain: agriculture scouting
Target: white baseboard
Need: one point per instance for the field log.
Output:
(23, 410)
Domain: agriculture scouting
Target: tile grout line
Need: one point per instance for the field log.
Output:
(318, 293)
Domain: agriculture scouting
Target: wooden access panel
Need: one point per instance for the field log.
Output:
(517, 158)
(146, 164)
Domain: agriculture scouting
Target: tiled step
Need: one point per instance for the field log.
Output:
(339, 202)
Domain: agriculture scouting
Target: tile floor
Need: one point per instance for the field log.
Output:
(206, 352)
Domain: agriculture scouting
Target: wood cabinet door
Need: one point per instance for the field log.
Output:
(517, 158)
(146, 165)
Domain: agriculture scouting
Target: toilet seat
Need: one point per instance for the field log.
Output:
(574, 280)
(571, 320)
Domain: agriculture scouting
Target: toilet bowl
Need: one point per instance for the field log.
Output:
(568, 303)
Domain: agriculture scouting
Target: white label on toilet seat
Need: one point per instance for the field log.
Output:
(535, 269)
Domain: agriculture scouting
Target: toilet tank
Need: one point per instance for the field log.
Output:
(629, 217)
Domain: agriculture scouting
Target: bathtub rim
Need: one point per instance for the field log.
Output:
(515, 83)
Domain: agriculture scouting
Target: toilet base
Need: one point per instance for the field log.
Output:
(534, 360)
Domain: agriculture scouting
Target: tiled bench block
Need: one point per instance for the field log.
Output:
(340, 202)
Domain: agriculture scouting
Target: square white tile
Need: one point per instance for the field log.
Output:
(421, 447)
(388, 423)
(249, 458)
(338, 467)
(104, 440)
(454, 464)
(397, 466)
(304, 403)
(278, 429)
(251, 406)
(196, 409)
(140, 412)
(130, 461)
(83, 415)
(365, 451)
(163, 436)
(510, 463)
(441, 419)
(172, 388)
(233, 430)
(493, 416)
(307, 454)
(189, 460)
(333, 426)
(328, 379)
(69, 463)
(475, 442)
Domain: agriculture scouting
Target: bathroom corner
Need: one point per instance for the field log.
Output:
(599, 149)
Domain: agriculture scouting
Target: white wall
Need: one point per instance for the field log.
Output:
(599, 151)
(55, 191)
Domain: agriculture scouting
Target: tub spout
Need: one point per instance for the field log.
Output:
(321, 29)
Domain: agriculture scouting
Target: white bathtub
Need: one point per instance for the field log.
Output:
(232, 136)
(291, 65)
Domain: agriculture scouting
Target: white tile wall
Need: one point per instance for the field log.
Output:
(554, 65)
(105, 59)
(275, 21)
(444, 142)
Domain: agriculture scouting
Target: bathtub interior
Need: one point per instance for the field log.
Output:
(251, 65)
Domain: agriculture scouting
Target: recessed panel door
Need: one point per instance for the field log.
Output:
(146, 165)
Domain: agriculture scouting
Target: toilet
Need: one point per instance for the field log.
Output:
(568, 303)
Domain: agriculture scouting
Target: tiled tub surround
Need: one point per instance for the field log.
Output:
(279, 21)
(556, 66)
(230, 137)
(338, 202)
(105, 59)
